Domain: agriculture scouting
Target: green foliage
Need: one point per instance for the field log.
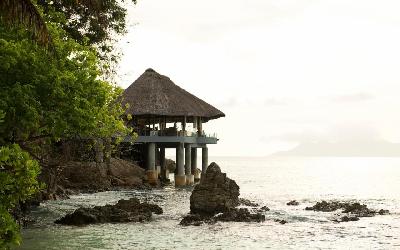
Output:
(18, 182)
(96, 23)
(53, 95)
(46, 96)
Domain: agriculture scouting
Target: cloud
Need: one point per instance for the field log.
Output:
(229, 103)
(358, 97)
(349, 133)
(273, 102)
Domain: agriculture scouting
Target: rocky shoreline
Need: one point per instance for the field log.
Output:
(124, 211)
(214, 199)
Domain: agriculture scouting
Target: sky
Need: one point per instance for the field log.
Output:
(285, 72)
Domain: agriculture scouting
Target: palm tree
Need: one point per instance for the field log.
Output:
(24, 12)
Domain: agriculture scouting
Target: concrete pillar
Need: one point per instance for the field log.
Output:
(195, 172)
(180, 178)
(163, 164)
(188, 165)
(184, 126)
(151, 172)
(199, 126)
(204, 160)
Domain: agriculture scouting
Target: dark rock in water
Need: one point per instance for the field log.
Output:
(354, 209)
(196, 220)
(246, 202)
(347, 219)
(263, 209)
(240, 215)
(383, 212)
(293, 203)
(215, 198)
(280, 221)
(325, 206)
(358, 209)
(235, 215)
(124, 211)
(216, 193)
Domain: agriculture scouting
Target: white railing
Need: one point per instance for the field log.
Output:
(184, 133)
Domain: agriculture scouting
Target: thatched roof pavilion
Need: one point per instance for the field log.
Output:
(156, 96)
(155, 102)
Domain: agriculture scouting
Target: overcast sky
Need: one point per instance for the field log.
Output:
(284, 72)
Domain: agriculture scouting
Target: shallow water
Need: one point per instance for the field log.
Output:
(268, 181)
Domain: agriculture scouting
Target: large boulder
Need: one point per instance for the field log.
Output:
(125, 173)
(124, 211)
(94, 177)
(216, 198)
(216, 193)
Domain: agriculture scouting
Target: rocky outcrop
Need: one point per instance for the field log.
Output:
(233, 215)
(354, 210)
(216, 193)
(124, 211)
(281, 221)
(95, 177)
(240, 215)
(293, 203)
(216, 198)
(246, 202)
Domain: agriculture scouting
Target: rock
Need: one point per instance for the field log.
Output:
(281, 221)
(325, 206)
(130, 174)
(263, 209)
(171, 166)
(95, 177)
(235, 215)
(196, 220)
(354, 209)
(347, 219)
(293, 203)
(240, 215)
(124, 211)
(216, 193)
(215, 198)
(383, 212)
(246, 202)
(358, 209)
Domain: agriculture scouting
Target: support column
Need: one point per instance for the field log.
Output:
(199, 127)
(180, 178)
(163, 164)
(151, 163)
(184, 126)
(204, 160)
(188, 165)
(195, 171)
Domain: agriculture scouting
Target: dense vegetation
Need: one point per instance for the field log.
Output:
(51, 88)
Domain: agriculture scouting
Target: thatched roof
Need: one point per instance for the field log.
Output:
(155, 95)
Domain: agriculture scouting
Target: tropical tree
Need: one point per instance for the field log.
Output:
(50, 89)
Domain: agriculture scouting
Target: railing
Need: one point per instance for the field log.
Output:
(176, 133)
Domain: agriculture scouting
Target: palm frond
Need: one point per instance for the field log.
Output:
(25, 12)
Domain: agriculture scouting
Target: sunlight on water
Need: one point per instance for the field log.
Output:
(269, 181)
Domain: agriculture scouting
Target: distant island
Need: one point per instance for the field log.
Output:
(372, 148)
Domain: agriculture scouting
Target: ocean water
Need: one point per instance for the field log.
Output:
(269, 181)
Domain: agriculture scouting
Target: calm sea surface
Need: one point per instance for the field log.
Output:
(268, 181)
